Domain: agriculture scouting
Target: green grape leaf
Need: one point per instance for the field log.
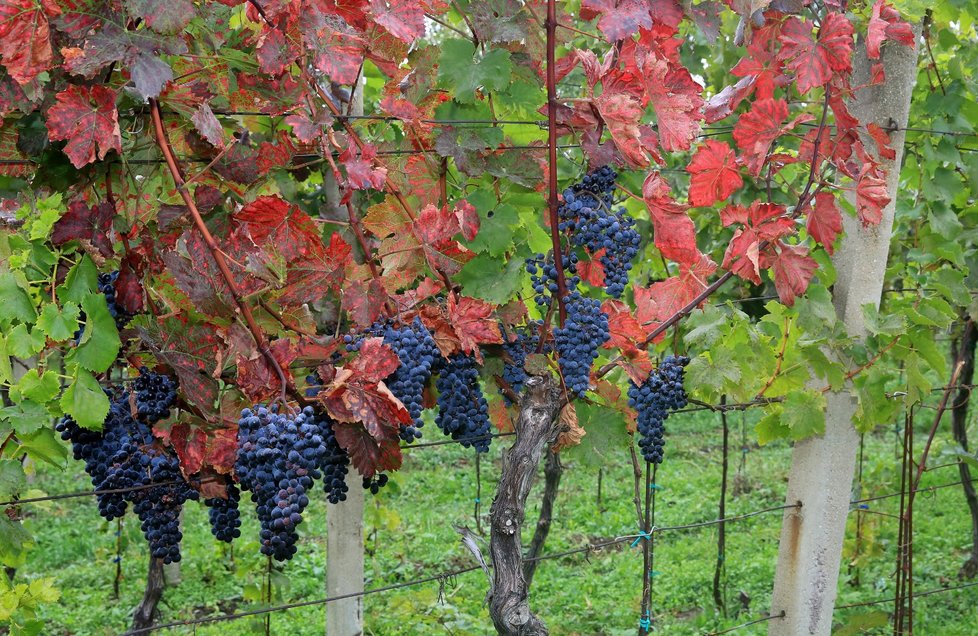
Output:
(495, 280)
(99, 344)
(607, 436)
(6, 370)
(24, 344)
(25, 417)
(44, 445)
(771, 427)
(458, 70)
(804, 413)
(15, 541)
(37, 387)
(705, 327)
(59, 323)
(892, 324)
(495, 235)
(12, 480)
(17, 304)
(80, 283)
(85, 401)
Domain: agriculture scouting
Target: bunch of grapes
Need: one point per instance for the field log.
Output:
(155, 394)
(543, 276)
(661, 393)
(123, 456)
(462, 409)
(106, 285)
(224, 515)
(589, 214)
(578, 341)
(526, 340)
(334, 463)
(419, 354)
(278, 459)
(374, 484)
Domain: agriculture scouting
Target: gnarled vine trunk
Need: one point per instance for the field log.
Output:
(536, 428)
(142, 616)
(552, 470)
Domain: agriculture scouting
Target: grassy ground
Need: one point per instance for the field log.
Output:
(411, 536)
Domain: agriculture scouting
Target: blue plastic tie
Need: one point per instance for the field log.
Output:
(645, 622)
(477, 500)
(643, 535)
(655, 487)
(864, 506)
(654, 573)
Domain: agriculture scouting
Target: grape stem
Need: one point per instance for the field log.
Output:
(551, 25)
(256, 331)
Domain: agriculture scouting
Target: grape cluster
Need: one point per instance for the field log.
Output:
(278, 458)
(462, 410)
(106, 285)
(224, 515)
(334, 463)
(525, 342)
(374, 484)
(123, 456)
(661, 393)
(578, 341)
(155, 394)
(543, 276)
(419, 354)
(594, 223)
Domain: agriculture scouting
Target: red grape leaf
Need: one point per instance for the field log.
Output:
(762, 64)
(129, 286)
(318, 272)
(434, 225)
(815, 61)
(882, 140)
(282, 227)
(824, 220)
(619, 18)
(591, 270)
(468, 219)
(163, 16)
(474, 322)
(360, 171)
(350, 397)
(338, 55)
(757, 129)
(368, 454)
(256, 376)
(364, 301)
(85, 116)
(81, 223)
(376, 360)
(678, 103)
(622, 114)
(276, 50)
(193, 351)
(724, 103)
(763, 222)
(404, 19)
(441, 330)
(793, 269)
(675, 234)
(661, 300)
(627, 335)
(25, 37)
(207, 125)
(499, 415)
(714, 174)
(386, 219)
(885, 24)
(871, 194)
(190, 445)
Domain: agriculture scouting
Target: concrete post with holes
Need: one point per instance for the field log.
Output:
(822, 469)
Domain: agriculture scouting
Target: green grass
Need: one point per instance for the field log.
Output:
(411, 536)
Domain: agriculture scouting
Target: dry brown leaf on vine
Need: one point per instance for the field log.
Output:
(571, 432)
